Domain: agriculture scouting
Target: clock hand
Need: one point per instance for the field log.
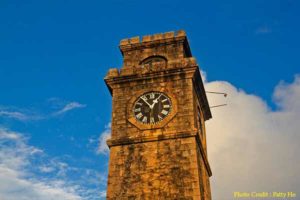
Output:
(147, 103)
(151, 114)
(155, 101)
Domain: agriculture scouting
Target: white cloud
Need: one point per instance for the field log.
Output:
(19, 115)
(14, 152)
(284, 92)
(68, 107)
(46, 169)
(20, 180)
(15, 115)
(106, 134)
(29, 115)
(103, 194)
(5, 135)
(203, 76)
(12, 187)
(250, 146)
(15, 184)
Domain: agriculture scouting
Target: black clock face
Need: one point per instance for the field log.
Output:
(152, 107)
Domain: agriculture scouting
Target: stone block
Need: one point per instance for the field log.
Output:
(124, 42)
(158, 36)
(135, 40)
(146, 38)
(169, 35)
(181, 33)
(113, 72)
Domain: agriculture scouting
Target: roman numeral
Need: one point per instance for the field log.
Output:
(139, 115)
(144, 98)
(137, 110)
(144, 119)
(159, 117)
(152, 95)
(164, 112)
(138, 103)
(166, 106)
(164, 100)
(152, 120)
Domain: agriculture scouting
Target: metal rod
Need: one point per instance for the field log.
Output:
(225, 94)
(218, 106)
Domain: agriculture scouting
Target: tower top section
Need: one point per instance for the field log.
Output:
(155, 40)
(161, 57)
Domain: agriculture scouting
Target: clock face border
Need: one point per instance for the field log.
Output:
(152, 107)
(143, 126)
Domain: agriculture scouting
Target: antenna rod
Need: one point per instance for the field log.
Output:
(225, 94)
(218, 106)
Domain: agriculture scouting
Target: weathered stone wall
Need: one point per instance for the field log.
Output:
(180, 88)
(158, 162)
(165, 169)
(169, 45)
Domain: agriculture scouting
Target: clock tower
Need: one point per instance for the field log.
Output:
(159, 106)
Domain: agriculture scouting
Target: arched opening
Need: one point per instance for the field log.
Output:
(154, 60)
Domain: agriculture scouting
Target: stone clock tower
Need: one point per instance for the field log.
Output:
(159, 106)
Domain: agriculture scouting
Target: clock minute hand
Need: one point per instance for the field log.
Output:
(147, 103)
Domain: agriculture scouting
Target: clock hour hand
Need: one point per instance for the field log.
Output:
(155, 101)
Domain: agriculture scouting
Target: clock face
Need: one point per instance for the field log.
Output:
(152, 107)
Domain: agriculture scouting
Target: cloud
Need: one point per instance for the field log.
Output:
(102, 146)
(203, 75)
(18, 115)
(14, 115)
(68, 107)
(103, 194)
(263, 30)
(5, 135)
(46, 169)
(29, 115)
(21, 166)
(15, 156)
(250, 146)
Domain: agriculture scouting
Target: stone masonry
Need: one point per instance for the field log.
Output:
(167, 160)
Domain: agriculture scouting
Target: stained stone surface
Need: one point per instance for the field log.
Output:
(167, 160)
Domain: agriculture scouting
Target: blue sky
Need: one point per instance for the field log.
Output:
(55, 54)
